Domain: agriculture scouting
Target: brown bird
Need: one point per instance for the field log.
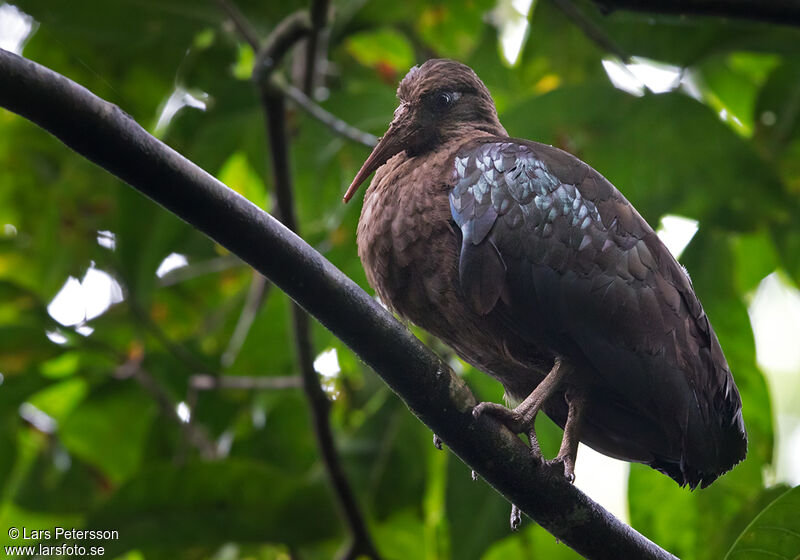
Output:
(537, 271)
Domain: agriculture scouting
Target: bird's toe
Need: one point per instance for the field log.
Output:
(509, 418)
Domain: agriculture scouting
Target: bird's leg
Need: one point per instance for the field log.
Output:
(522, 418)
(569, 443)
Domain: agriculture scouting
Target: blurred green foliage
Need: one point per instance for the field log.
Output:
(113, 456)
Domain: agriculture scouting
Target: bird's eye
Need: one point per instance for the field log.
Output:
(445, 99)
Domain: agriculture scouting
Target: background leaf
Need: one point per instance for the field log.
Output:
(774, 532)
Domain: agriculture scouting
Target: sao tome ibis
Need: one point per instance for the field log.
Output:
(537, 270)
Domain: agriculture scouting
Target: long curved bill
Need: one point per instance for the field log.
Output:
(393, 142)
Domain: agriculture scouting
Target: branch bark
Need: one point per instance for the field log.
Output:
(593, 31)
(104, 134)
(786, 12)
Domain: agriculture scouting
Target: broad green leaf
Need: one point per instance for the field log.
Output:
(204, 505)
(774, 533)
(756, 257)
(453, 27)
(385, 49)
(663, 512)
(64, 365)
(237, 174)
(60, 399)
(108, 429)
(401, 536)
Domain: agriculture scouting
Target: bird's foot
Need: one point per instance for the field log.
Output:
(515, 420)
(437, 442)
(562, 466)
(511, 419)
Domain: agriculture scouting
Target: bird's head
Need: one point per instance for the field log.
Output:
(440, 100)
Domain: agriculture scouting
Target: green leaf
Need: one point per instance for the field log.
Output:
(756, 257)
(204, 505)
(529, 539)
(108, 429)
(774, 533)
(60, 399)
(385, 49)
(237, 174)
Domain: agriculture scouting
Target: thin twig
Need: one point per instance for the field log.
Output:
(256, 294)
(107, 136)
(201, 268)
(179, 351)
(337, 125)
(193, 433)
(275, 110)
(593, 31)
(319, 18)
(203, 382)
(240, 22)
(283, 37)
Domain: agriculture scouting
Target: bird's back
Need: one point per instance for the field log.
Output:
(584, 275)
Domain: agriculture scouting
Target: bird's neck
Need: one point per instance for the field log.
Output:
(460, 134)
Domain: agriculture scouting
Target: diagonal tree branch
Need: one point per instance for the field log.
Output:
(286, 34)
(104, 134)
(593, 31)
(786, 12)
(240, 22)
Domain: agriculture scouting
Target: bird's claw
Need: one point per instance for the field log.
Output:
(516, 518)
(509, 418)
(562, 466)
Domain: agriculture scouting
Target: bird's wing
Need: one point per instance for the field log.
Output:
(549, 243)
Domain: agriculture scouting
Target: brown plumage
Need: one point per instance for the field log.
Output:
(537, 271)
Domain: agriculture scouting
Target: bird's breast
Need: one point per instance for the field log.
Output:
(406, 242)
(410, 247)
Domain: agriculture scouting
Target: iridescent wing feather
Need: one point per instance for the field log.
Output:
(553, 247)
